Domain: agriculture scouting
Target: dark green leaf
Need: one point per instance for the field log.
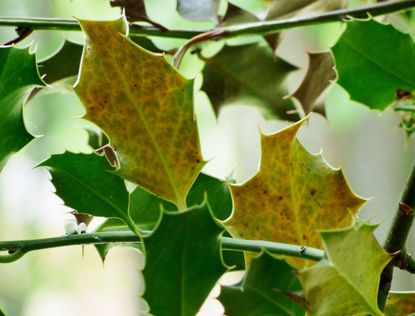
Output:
(198, 10)
(1, 313)
(113, 224)
(86, 183)
(217, 192)
(18, 77)
(145, 207)
(263, 290)
(64, 64)
(249, 74)
(374, 62)
(183, 262)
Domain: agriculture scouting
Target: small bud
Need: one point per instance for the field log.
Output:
(70, 228)
(81, 228)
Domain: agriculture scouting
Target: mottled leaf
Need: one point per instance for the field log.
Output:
(293, 196)
(373, 62)
(262, 290)
(400, 303)
(347, 282)
(18, 77)
(86, 184)
(146, 109)
(183, 262)
(248, 74)
(198, 10)
(320, 74)
(64, 64)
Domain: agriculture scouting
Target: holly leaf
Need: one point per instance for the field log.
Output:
(262, 290)
(355, 261)
(367, 69)
(18, 77)
(320, 74)
(64, 64)
(147, 112)
(145, 208)
(236, 15)
(115, 224)
(400, 303)
(230, 76)
(1, 313)
(183, 262)
(217, 192)
(293, 196)
(86, 184)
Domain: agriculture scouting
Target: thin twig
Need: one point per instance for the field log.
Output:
(22, 33)
(254, 28)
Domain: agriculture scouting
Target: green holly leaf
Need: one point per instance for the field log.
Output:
(347, 282)
(217, 192)
(248, 74)
(400, 303)
(18, 77)
(320, 74)
(374, 61)
(145, 208)
(1, 313)
(263, 289)
(87, 184)
(147, 112)
(64, 64)
(183, 262)
(111, 225)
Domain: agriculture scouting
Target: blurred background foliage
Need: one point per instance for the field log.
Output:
(374, 152)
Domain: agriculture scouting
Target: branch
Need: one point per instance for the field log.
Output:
(16, 249)
(263, 27)
(397, 236)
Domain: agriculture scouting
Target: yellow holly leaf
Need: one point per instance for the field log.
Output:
(293, 196)
(144, 106)
(400, 303)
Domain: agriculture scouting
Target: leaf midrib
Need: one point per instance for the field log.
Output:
(145, 124)
(88, 187)
(375, 62)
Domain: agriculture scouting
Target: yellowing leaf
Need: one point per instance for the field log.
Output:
(400, 303)
(347, 283)
(293, 196)
(144, 106)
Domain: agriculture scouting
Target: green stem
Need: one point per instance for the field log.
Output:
(262, 27)
(22, 247)
(272, 247)
(397, 236)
